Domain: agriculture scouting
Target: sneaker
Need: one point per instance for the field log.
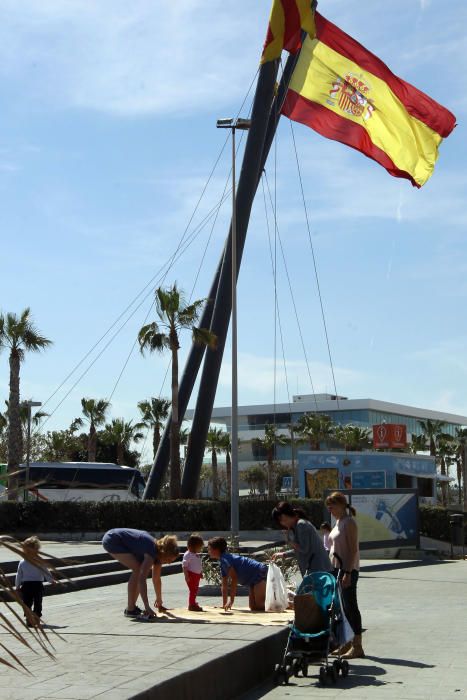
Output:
(132, 613)
(195, 608)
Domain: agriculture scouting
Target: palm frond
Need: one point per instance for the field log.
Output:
(34, 638)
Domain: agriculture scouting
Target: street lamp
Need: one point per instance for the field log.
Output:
(29, 405)
(233, 125)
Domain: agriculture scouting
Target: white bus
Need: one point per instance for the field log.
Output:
(80, 481)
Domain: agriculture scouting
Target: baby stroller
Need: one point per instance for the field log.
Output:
(314, 631)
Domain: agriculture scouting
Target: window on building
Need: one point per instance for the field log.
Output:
(403, 481)
(425, 487)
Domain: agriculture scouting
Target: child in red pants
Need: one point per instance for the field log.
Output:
(192, 568)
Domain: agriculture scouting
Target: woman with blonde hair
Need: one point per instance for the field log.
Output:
(139, 551)
(345, 555)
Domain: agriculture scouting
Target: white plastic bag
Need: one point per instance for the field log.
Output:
(276, 590)
(344, 632)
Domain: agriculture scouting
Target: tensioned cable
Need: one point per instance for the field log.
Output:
(314, 264)
(293, 302)
(187, 245)
(218, 208)
(274, 272)
(151, 281)
(168, 263)
(222, 200)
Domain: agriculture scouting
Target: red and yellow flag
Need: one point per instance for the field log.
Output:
(288, 18)
(348, 94)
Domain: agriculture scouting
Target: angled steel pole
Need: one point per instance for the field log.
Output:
(264, 119)
(195, 357)
(187, 382)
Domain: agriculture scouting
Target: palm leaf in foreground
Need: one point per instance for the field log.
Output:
(29, 637)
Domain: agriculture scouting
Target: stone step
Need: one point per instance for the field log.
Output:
(107, 577)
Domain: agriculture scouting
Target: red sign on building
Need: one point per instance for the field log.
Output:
(389, 435)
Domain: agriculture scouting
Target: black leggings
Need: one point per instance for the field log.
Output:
(349, 600)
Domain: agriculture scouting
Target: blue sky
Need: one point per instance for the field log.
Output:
(107, 139)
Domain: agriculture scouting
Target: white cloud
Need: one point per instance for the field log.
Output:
(257, 377)
(129, 58)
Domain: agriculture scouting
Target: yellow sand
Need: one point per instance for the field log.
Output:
(236, 616)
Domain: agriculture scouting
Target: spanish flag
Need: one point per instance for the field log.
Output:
(288, 18)
(347, 94)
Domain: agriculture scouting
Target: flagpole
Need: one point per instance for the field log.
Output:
(193, 466)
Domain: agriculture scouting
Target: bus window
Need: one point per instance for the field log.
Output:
(138, 485)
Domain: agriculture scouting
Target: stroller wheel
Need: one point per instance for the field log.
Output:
(304, 668)
(322, 675)
(331, 672)
(344, 668)
(336, 666)
(279, 672)
(297, 666)
(279, 675)
(289, 671)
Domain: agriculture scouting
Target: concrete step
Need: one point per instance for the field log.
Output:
(9, 567)
(110, 573)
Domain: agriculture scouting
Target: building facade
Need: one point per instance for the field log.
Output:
(343, 411)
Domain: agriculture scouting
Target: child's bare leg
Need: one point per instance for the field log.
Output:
(258, 596)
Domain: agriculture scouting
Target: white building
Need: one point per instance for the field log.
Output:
(362, 412)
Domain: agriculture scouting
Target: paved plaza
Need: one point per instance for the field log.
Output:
(415, 641)
(416, 645)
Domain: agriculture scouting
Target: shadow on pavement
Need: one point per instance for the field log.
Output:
(394, 565)
(399, 662)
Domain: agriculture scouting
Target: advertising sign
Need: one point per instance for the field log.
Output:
(369, 480)
(386, 517)
(320, 480)
(390, 436)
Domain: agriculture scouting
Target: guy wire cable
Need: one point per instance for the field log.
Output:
(293, 302)
(274, 272)
(151, 281)
(314, 264)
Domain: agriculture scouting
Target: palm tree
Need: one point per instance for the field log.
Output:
(316, 427)
(153, 414)
(461, 447)
(121, 434)
(255, 477)
(227, 447)
(268, 444)
(94, 412)
(19, 335)
(432, 432)
(215, 444)
(418, 444)
(3, 422)
(445, 454)
(174, 315)
(352, 437)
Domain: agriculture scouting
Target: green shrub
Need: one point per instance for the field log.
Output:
(155, 516)
(434, 522)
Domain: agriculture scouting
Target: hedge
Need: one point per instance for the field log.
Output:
(434, 522)
(172, 516)
(154, 516)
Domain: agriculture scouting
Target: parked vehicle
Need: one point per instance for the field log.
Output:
(78, 481)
